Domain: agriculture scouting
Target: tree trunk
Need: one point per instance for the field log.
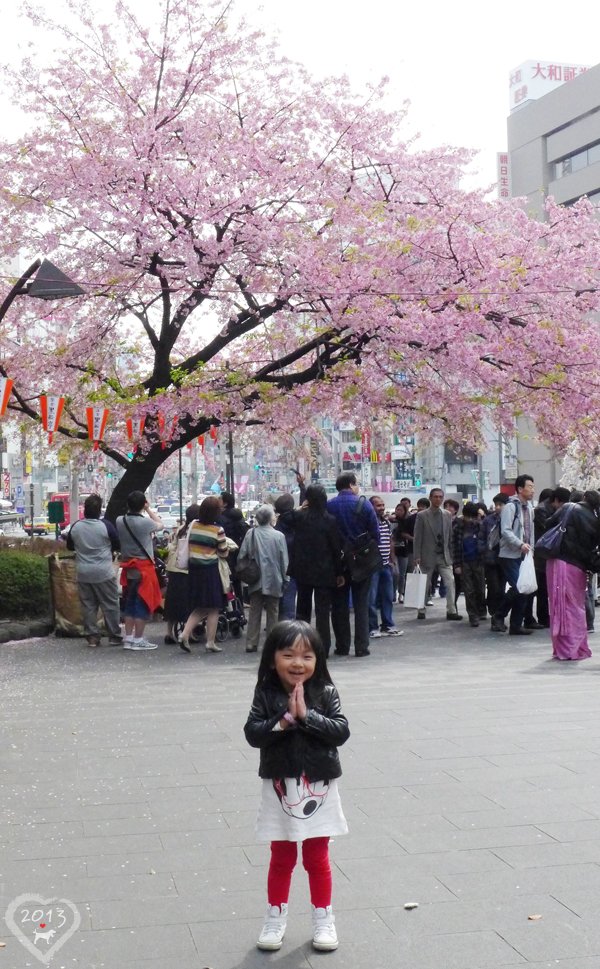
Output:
(138, 476)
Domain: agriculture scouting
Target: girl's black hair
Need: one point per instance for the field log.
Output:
(284, 635)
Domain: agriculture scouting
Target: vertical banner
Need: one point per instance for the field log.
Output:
(135, 428)
(51, 408)
(161, 430)
(503, 173)
(96, 422)
(366, 458)
(6, 386)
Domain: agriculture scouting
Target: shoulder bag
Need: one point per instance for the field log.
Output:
(134, 575)
(249, 571)
(548, 545)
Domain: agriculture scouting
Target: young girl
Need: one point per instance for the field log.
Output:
(297, 722)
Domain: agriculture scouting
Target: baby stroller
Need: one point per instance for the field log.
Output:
(232, 620)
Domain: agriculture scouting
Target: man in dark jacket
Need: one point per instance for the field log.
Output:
(353, 520)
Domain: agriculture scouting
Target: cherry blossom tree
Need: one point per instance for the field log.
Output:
(581, 467)
(257, 247)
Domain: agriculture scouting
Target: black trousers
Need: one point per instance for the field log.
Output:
(541, 596)
(496, 584)
(340, 615)
(322, 596)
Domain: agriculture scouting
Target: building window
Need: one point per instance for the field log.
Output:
(594, 154)
(577, 161)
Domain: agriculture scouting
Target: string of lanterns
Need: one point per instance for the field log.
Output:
(51, 409)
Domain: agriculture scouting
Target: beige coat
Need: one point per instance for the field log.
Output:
(427, 528)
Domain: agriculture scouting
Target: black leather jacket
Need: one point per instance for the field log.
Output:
(580, 541)
(311, 747)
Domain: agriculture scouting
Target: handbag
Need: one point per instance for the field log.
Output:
(416, 589)
(548, 545)
(361, 555)
(249, 571)
(182, 552)
(527, 582)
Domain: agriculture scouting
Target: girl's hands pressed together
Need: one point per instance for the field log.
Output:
(300, 702)
(292, 706)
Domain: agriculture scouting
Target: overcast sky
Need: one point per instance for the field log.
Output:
(451, 60)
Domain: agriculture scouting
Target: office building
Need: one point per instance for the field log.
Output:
(553, 150)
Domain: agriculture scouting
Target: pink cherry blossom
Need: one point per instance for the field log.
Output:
(260, 248)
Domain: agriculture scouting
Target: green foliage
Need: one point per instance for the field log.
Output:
(25, 585)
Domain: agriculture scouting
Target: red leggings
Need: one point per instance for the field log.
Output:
(315, 858)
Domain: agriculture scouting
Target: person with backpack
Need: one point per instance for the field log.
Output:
(467, 559)
(516, 541)
(94, 541)
(495, 583)
(355, 517)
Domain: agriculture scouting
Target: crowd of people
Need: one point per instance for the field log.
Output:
(334, 555)
(344, 558)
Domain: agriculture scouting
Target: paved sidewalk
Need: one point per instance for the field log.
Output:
(471, 785)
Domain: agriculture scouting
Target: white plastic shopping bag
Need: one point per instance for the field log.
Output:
(527, 582)
(416, 589)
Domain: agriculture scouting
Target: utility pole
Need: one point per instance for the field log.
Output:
(480, 477)
(231, 481)
(73, 491)
(194, 471)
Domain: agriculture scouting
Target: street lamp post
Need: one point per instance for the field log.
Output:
(48, 283)
(41, 280)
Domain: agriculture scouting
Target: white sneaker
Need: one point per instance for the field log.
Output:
(127, 643)
(142, 644)
(429, 602)
(324, 935)
(375, 634)
(392, 631)
(213, 648)
(273, 931)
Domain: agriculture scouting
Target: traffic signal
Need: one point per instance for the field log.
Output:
(417, 481)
